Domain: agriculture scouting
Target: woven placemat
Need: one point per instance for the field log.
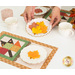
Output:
(54, 49)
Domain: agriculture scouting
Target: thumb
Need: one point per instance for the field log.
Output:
(52, 20)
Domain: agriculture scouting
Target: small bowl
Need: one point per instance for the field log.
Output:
(66, 29)
(11, 20)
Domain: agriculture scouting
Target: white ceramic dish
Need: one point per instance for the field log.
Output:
(47, 23)
(42, 53)
(11, 20)
(44, 10)
(66, 29)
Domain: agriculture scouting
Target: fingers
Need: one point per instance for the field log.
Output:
(29, 13)
(52, 20)
(33, 10)
(29, 17)
(25, 17)
(32, 15)
(57, 21)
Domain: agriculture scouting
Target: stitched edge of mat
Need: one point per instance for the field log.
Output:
(22, 66)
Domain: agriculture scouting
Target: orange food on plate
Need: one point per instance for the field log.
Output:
(0, 47)
(33, 25)
(34, 54)
(73, 27)
(38, 27)
(38, 11)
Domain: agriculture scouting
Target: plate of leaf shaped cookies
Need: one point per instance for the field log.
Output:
(38, 27)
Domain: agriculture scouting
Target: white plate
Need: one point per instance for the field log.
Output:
(25, 58)
(44, 10)
(46, 22)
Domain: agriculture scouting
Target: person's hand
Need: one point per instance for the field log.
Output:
(55, 16)
(29, 13)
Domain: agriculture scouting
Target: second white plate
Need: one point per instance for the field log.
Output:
(44, 10)
(41, 50)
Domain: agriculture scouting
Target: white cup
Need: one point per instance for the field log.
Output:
(11, 23)
(66, 29)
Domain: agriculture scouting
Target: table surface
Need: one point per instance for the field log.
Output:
(66, 46)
